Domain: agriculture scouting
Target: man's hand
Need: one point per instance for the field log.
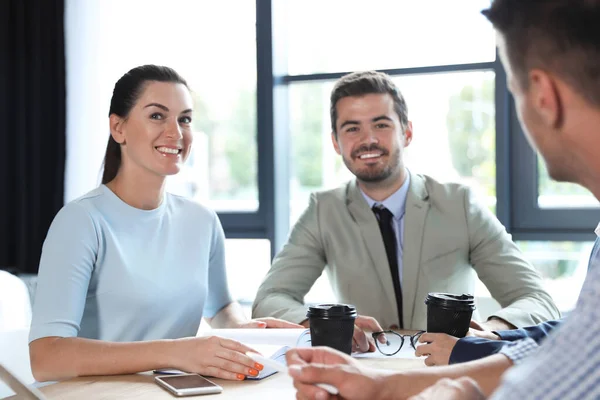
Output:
(362, 341)
(309, 366)
(492, 324)
(438, 347)
(318, 355)
(482, 331)
(448, 389)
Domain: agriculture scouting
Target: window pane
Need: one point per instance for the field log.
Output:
(554, 194)
(346, 35)
(217, 57)
(248, 261)
(563, 266)
(453, 134)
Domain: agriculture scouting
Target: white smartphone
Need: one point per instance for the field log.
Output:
(188, 384)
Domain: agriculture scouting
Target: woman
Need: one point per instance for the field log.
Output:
(128, 271)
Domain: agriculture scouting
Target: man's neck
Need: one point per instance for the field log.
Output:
(379, 191)
(585, 151)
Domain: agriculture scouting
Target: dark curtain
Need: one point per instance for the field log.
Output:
(32, 127)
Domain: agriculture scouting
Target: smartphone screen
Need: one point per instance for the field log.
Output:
(187, 381)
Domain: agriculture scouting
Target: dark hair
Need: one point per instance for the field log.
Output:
(127, 91)
(367, 82)
(559, 36)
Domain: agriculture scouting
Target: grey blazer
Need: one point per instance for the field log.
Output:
(448, 238)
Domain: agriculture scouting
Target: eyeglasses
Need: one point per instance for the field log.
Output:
(394, 341)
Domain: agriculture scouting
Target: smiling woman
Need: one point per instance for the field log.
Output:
(116, 259)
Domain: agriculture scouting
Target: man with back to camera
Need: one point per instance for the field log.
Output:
(391, 236)
(551, 53)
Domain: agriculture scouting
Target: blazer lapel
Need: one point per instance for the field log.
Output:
(417, 205)
(369, 229)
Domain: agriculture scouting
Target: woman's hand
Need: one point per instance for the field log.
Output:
(214, 356)
(261, 323)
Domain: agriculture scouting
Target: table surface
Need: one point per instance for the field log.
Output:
(142, 386)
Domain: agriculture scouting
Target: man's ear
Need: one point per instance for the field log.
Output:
(116, 128)
(545, 98)
(408, 134)
(334, 140)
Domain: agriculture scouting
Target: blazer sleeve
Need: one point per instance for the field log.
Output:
(511, 280)
(294, 270)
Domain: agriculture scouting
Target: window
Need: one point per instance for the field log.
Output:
(248, 261)
(552, 194)
(351, 35)
(540, 208)
(562, 266)
(216, 55)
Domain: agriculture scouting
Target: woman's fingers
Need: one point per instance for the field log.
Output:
(222, 373)
(229, 362)
(239, 358)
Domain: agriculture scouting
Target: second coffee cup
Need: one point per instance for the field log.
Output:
(332, 325)
(449, 313)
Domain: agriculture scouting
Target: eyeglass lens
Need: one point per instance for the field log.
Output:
(392, 344)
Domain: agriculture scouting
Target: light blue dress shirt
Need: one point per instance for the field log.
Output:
(113, 272)
(396, 203)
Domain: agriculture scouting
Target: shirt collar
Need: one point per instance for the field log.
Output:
(396, 202)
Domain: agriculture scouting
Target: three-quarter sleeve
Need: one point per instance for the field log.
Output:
(67, 261)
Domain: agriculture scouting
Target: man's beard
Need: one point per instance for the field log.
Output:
(373, 174)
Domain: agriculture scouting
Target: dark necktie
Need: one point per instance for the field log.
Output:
(389, 241)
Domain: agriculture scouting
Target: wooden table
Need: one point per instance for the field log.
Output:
(142, 386)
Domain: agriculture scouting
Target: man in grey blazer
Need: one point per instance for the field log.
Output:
(440, 237)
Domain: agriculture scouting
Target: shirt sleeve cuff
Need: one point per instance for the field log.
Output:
(52, 329)
(519, 350)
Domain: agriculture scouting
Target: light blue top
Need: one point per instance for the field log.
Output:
(113, 272)
(396, 203)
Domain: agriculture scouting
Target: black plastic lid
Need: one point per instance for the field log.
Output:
(330, 311)
(451, 301)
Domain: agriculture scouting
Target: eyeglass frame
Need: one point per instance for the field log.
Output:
(413, 339)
